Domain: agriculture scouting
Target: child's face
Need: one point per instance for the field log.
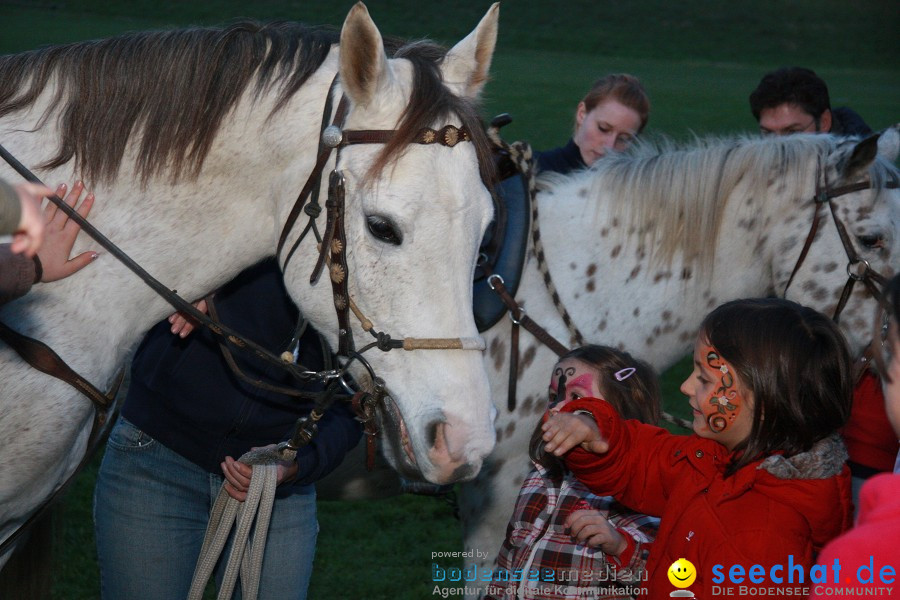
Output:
(722, 405)
(580, 381)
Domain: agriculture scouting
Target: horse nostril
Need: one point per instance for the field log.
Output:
(432, 431)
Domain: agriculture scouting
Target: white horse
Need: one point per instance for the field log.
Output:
(642, 246)
(196, 143)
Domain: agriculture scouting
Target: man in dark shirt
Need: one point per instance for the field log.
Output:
(795, 100)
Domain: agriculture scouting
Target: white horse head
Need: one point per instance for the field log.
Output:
(195, 170)
(398, 234)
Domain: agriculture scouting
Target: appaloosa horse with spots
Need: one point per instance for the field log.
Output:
(643, 245)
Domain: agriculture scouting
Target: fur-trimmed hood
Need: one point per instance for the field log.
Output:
(825, 459)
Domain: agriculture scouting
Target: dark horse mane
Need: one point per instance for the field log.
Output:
(170, 91)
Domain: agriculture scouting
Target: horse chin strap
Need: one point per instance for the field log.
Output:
(858, 269)
(332, 246)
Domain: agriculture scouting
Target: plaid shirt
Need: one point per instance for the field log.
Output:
(540, 560)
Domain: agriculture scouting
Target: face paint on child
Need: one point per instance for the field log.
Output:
(722, 406)
(572, 379)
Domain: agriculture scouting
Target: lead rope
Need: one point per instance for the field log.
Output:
(245, 558)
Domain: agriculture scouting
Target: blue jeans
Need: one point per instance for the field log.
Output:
(151, 508)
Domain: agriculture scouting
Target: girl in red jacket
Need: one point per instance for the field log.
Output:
(761, 486)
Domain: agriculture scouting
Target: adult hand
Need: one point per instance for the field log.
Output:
(61, 232)
(181, 325)
(564, 431)
(591, 528)
(30, 232)
(237, 475)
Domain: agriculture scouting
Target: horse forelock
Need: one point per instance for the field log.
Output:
(431, 103)
(678, 193)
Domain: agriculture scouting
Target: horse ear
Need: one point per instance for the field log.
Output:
(465, 67)
(889, 143)
(363, 62)
(862, 156)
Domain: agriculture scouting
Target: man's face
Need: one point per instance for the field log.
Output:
(788, 118)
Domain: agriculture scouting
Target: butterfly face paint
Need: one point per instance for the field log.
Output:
(723, 405)
(572, 379)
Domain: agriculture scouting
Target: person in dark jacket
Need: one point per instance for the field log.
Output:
(186, 419)
(795, 100)
(611, 114)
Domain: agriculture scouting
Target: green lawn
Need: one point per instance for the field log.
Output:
(699, 61)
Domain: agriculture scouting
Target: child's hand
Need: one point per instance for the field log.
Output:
(590, 528)
(564, 431)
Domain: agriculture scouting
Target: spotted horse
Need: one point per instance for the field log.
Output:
(642, 245)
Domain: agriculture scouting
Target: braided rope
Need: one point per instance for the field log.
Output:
(523, 156)
(245, 558)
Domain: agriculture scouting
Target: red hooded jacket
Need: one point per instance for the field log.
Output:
(776, 511)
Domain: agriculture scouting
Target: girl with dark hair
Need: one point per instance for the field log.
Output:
(539, 557)
(762, 482)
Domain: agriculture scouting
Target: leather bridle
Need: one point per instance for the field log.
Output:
(858, 269)
(332, 245)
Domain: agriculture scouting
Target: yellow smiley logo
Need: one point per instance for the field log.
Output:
(682, 573)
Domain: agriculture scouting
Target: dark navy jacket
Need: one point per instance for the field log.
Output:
(561, 160)
(846, 121)
(184, 395)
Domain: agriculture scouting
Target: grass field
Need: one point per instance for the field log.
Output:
(699, 61)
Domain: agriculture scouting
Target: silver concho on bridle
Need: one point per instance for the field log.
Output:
(332, 136)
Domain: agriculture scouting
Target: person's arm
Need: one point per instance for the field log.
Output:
(339, 432)
(18, 272)
(10, 208)
(624, 539)
(20, 215)
(60, 232)
(636, 466)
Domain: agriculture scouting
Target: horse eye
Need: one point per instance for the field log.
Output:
(871, 242)
(384, 229)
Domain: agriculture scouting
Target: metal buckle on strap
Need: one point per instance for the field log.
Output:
(853, 271)
(522, 314)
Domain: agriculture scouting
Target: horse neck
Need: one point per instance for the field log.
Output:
(617, 292)
(236, 207)
(192, 235)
